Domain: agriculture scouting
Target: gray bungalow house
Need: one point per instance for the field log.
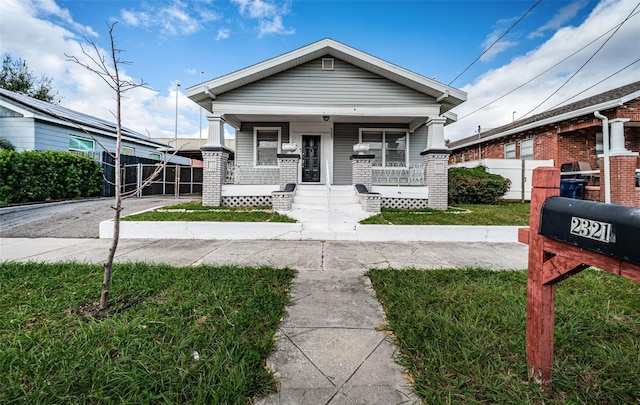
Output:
(327, 114)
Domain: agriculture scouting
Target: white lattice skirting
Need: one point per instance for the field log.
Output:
(246, 201)
(404, 203)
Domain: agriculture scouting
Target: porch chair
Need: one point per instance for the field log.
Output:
(584, 166)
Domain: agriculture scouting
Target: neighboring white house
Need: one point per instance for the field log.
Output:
(325, 98)
(31, 124)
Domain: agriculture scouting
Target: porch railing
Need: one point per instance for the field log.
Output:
(248, 173)
(399, 174)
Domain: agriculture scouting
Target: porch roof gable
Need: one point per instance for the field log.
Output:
(205, 92)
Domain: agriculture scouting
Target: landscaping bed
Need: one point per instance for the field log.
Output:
(194, 211)
(504, 214)
(173, 335)
(461, 336)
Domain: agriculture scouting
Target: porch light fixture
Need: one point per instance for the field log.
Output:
(325, 118)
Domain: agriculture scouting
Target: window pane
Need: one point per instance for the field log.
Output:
(396, 149)
(374, 140)
(127, 151)
(155, 156)
(526, 149)
(267, 147)
(83, 145)
(510, 151)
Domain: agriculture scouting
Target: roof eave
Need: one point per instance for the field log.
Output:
(551, 120)
(206, 91)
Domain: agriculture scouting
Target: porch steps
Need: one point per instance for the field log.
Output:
(327, 213)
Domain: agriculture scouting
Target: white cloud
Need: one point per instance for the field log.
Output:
(30, 31)
(175, 18)
(223, 33)
(564, 14)
(269, 15)
(621, 50)
(498, 47)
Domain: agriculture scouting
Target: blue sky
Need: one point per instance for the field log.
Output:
(172, 41)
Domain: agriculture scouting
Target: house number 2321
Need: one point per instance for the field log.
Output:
(588, 228)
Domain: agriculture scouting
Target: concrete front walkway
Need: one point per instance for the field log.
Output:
(329, 348)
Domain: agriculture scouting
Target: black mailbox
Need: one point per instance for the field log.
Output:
(612, 230)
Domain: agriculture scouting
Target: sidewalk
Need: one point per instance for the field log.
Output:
(329, 350)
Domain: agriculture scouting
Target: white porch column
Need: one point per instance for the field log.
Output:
(215, 137)
(214, 156)
(435, 134)
(617, 138)
(435, 158)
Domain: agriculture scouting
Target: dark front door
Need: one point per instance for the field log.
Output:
(311, 158)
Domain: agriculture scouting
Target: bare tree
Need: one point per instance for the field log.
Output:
(108, 69)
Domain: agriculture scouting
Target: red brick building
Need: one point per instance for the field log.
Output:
(571, 134)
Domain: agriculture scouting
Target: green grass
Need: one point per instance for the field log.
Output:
(461, 336)
(194, 211)
(51, 352)
(505, 213)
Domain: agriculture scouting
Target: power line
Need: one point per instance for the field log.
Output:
(495, 42)
(595, 84)
(543, 72)
(584, 64)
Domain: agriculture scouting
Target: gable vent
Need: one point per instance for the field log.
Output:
(327, 63)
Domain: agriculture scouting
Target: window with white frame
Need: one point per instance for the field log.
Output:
(526, 149)
(127, 150)
(510, 151)
(155, 156)
(389, 146)
(267, 146)
(81, 144)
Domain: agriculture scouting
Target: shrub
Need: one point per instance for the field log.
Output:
(6, 144)
(476, 186)
(32, 176)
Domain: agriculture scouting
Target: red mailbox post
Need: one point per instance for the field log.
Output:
(552, 260)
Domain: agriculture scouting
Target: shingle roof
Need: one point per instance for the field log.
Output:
(60, 113)
(584, 103)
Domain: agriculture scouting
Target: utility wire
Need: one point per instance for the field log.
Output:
(584, 64)
(495, 42)
(541, 73)
(595, 84)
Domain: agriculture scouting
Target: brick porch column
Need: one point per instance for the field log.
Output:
(288, 163)
(435, 158)
(436, 177)
(362, 170)
(215, 157)
(214, 174)
(622, 164)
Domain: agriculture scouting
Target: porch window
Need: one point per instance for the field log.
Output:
(81, 144)
(510, 150)
(526, 149)
(155, 156)
(128, 151)
(389, 146)
(267, 145)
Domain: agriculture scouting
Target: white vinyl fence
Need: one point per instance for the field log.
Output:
(518, 171)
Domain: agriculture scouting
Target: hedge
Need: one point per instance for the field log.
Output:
(476, 186)
(31, 176)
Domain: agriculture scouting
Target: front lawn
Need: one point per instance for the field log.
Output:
(194, 211)
(174, 335)
(461, 335)
(505, 213)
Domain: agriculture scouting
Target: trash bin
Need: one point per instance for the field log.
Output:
(572, 188)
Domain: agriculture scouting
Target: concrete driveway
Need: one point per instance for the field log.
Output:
(71, 219)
